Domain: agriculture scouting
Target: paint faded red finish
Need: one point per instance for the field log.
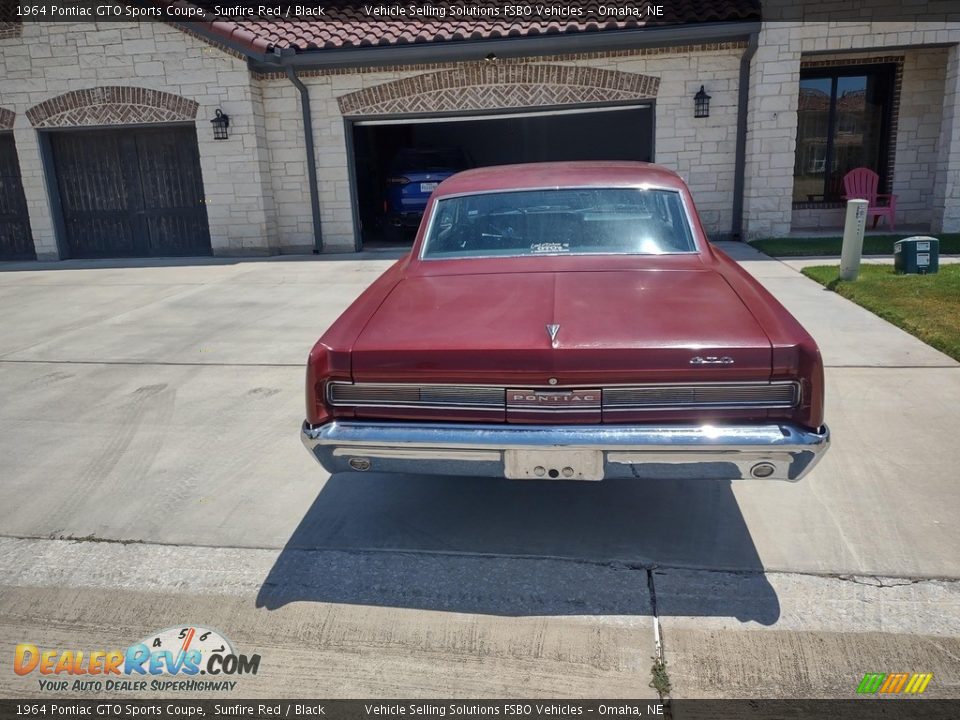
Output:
(642, 340)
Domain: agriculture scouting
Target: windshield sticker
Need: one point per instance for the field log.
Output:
(550, 247)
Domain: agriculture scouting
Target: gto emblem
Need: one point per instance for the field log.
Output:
(552, 331)
(712, 360)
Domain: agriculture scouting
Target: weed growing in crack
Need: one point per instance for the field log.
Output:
(660, 679)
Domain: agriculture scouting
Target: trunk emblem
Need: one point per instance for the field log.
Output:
(552, 331)
(712, 360)
(520, 397)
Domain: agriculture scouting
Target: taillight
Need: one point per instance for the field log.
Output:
(323, 365)
(802, 362)
(318, 370)
(398, 180)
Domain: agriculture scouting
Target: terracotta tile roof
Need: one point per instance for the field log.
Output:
(348, 26)
(812, 100)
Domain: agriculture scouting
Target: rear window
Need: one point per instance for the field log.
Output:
(589, 221)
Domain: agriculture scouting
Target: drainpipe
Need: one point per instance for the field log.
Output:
(740, 162)
(311, 158)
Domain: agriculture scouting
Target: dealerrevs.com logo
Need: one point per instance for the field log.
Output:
(170, 660)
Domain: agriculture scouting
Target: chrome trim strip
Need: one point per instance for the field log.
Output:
(732, 396)
(699, 406)
(581, 386)
(614, 398)
(400, 406)
(419, 454)
(633, 451)
(494, 399)
(553, 409)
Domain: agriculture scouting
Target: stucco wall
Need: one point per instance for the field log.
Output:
(53, 58)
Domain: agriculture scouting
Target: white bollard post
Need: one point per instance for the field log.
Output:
(853, 229)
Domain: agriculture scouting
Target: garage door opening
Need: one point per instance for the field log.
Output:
(129, 192)
(398, 161)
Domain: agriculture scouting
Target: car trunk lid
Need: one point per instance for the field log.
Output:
(614, 327)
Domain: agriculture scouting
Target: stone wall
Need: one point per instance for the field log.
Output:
(81, 74)
(257, 194)
(702, 150)
(946, 195)
(915, 152)
(772, 116)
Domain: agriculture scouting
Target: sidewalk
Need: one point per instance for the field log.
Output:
(848, 335)
(878, 504)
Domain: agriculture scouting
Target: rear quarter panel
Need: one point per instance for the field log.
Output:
(329, 358)
(794, 352)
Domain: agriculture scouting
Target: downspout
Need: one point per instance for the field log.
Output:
(311, 157)
(740, 161)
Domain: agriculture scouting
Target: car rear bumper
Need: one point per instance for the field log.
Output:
(776, 451)
(408, 219)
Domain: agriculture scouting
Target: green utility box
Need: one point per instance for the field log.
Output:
(917, 255)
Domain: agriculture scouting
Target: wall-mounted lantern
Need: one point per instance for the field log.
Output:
(220, 124)
(701, 104)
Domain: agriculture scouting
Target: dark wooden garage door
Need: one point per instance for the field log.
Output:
(131, 192)
(16, 242)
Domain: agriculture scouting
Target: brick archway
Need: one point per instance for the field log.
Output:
(499, 86)
(111, 106)
(6, 119)
(10, 29)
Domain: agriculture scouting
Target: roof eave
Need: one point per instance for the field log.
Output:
(520, 46)
(207, 31)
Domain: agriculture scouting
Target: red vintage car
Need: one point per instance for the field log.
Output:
(568, 321)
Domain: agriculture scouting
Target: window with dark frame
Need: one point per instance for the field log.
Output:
(843, 122)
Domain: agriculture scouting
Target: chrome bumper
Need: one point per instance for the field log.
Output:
(726, 452)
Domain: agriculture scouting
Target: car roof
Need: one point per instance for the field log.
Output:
(558, 175)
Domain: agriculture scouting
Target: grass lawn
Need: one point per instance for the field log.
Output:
(872, 245)
(927, 306)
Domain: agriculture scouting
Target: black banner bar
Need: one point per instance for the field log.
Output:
(258, 709)
(628, 13)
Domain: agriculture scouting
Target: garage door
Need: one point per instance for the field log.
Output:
(131, 192)
(624, 132)
(16, 242)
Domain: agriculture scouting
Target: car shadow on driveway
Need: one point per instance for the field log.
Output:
(501, 547)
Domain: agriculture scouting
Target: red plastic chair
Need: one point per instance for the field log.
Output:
(861, 184)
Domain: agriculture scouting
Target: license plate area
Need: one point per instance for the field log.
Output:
(553, 464)
(428, 186)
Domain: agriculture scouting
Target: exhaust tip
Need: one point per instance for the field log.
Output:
(359, 464)
(762, 470)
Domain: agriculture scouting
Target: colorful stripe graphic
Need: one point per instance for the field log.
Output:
(892, 683)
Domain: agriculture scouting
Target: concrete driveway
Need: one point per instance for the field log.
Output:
(153, 476)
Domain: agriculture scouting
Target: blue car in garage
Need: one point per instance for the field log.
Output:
(414, 174)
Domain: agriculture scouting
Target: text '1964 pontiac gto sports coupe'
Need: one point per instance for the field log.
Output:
(567, 321)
